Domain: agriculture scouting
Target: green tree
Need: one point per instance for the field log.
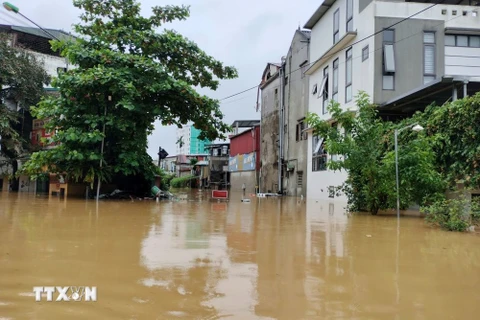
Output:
(22, 77)
(367, 147)
(127, 76)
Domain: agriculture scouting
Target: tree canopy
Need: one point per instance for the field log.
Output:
(126, 76)
(367, 146)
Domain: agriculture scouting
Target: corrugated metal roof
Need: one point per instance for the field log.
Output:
(60, 34)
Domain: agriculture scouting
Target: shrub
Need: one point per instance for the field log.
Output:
(453, 214)
(181, 182)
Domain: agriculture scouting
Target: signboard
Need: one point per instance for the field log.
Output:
(219, 194)
(242, 162)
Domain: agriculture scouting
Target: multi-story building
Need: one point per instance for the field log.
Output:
(270, 133)
(284, 101)
(188, 141)
(404, 54)
(295, 102)
(36, 42)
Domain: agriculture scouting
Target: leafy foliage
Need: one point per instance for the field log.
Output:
(367, 146)
(181, 182)
(453, 214)
(127, 77)
(165, 179)
(454, 129)
(22, 77)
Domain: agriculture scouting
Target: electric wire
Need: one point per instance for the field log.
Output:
(354, 43)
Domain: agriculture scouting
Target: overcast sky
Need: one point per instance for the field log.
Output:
(245, 34)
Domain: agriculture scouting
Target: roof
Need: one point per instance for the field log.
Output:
(60, 34)
(306, 33)
(216, 145)
(241, 133)
(438, 92)
(245, 123)
(202, 163)
(326, 4)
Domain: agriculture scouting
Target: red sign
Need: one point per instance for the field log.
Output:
(219, 194)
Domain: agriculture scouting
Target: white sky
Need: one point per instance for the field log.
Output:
(245, 34)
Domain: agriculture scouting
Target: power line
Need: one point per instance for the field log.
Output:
(356, 42)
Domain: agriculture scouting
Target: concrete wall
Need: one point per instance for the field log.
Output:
(240, 177)
(51, 63)
(295, 109)
(269, 134)
(408, 49)
(318, 182)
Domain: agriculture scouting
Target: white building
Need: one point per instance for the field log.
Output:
(432, 56)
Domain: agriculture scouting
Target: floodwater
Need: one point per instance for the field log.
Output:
(197, 259)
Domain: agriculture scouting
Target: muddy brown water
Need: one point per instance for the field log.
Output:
(197, 259)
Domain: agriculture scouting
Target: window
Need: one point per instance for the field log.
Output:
(300, 135)
(388, 59)
(319, 156)
(325, 91)
(336, 26)
(314, 90)
(365, 53)
(286, 80)
(335, 80)
(349, 15)
(462, 41)
(348, 75)
(452, 40)
(388, 81)
(428, 57)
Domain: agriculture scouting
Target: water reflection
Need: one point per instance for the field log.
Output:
(268, 259)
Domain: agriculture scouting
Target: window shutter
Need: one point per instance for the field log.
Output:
(429, 52)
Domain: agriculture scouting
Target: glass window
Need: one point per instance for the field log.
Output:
(335, 79)
(388, 83)
(348, 75)
(336, 26)
(475, 41)
(462, 41)
(349, 15)
(388, 35)
(428, 37)
(325, 91)
(429, 60)
(389, 58)
(450, 40)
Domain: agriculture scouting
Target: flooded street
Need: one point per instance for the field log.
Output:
(198, 259)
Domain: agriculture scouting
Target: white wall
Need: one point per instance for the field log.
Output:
(461, 61)
(403, 10)
(362, 79)
(51, 63)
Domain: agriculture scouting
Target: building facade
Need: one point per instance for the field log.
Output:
(218, 175)
(36, 42)
(188, 141)
(295, 107)
(404, 54)
(269, 130)
(244, 161)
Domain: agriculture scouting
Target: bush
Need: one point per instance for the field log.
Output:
(181, 182)
(453, 214)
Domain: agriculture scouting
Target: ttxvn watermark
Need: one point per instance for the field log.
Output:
(66, 293)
